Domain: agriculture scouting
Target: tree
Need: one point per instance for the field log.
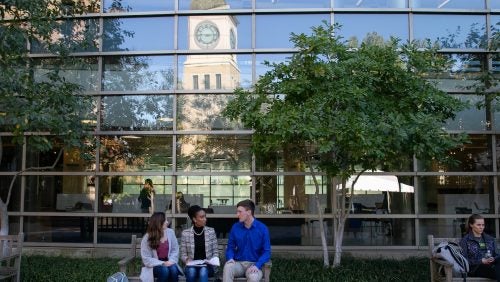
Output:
(35, 109)
(351, 111)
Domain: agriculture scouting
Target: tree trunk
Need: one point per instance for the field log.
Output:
(339, 235)
(324, 245)
(4, 213)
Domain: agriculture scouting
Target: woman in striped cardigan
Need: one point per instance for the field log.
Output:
(199, 248)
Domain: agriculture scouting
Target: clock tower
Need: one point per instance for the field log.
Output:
(207, 33)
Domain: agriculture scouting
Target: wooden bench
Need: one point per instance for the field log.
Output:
(436, 264)
(11, 247)
(129, 266)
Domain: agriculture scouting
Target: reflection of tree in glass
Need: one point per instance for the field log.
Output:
(219, 152)
(136, 112)
(474, 38)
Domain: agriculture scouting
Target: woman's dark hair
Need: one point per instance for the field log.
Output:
(248, 205)
(193, 210)
(155, 229)
(472, 219)
(148, 181)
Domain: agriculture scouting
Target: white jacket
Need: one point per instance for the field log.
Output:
(150, 256)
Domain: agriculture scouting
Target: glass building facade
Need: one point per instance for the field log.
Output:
(161, 72)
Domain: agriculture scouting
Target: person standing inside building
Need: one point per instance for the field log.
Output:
(248, 247)
(199, 248)
(159, 251)
(480, 250)
(146, 196)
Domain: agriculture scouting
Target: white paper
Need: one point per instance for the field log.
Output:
(199, 262)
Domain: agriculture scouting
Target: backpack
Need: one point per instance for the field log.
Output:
(452, 253)
(117, 277)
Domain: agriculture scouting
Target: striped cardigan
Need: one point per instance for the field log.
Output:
(187, 244)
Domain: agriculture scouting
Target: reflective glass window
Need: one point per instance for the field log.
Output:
(218, 193)
(120, 194)
(10, 159)
(450, 227)
(446, 194)
(451, 31)
(59, 229)
(473, 156)
(213, 153)
(121, 6)
(494, 4)
(78, 35)
(81, 71)
(15, 200)
(267, 26)
(70, 160)
(370, 3)
(62, 193)
(219, 5)
(471, 118)
(379, 232)
(496, 115)
(209, 32)
(355, 30)
(118, 230)
(291, 4)
(449, 4)
(203, 112)
(138, 34)
(462, 73)
(261, 68)
(137, 112)
(234, 70)
(382, 194)
(291, 194)
(135, 153)
(138, 73)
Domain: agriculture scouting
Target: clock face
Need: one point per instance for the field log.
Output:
(206, 34)
(232, 39)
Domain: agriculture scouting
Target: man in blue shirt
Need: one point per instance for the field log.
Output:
(248, 247)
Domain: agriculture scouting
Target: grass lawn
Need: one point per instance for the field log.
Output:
(41, 268)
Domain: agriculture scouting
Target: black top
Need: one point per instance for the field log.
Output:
(199, 243)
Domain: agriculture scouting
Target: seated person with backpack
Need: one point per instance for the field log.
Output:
(480, 250)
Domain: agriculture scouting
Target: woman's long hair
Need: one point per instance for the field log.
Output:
(155, 229)
(472, 219)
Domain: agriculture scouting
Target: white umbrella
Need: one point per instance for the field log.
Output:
(385, 183)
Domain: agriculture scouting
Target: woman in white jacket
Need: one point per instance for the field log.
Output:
(159, 251)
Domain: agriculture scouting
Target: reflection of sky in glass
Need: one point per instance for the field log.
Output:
(261, 69)
(443, 26)
(273, 31)
(494, 4)
(359, 25)
(370, 3)
(449, 4)
(288, 4)
(243, 32)
(232, 4)
(138, 73)
(141, 6)
(146, 34)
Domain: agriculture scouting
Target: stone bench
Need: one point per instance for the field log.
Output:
(436, 264)
(129, 267)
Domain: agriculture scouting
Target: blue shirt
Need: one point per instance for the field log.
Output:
(249, 244)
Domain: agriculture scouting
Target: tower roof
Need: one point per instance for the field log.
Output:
(206, 4)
